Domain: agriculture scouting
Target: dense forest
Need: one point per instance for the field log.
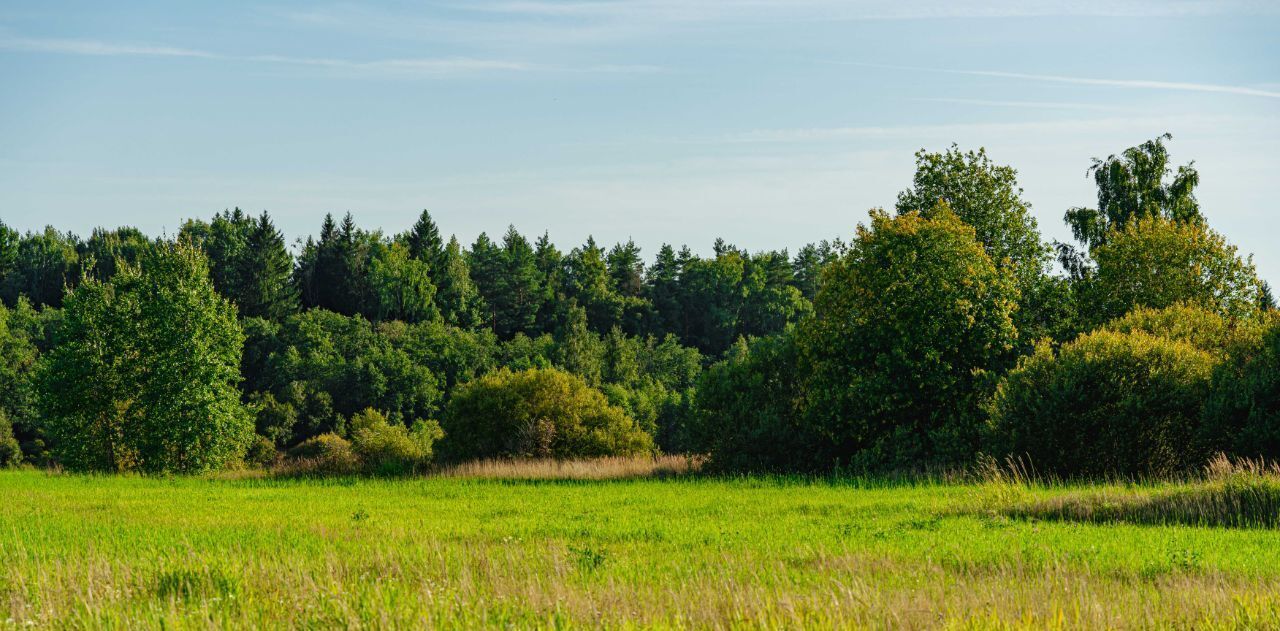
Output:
(943, 330)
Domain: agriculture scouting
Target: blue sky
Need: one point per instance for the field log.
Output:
(770, 123)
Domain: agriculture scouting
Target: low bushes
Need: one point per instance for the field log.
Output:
(10, 453)
(324, 454)
(389, 449)
(1242, 415)
(377, 447)
(540, 413)
(1107, 403)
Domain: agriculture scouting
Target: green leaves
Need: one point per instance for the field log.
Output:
(145, 371)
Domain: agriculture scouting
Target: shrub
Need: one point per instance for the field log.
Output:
(327, 454)
(1106, 403)
(747, 412)
(392, 449)
(262, 452)
(10, 453)
(1202, 328)
(540, 412)
(1242, 415)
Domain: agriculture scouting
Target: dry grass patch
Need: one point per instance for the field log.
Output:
(612, 468)
(1231, 494)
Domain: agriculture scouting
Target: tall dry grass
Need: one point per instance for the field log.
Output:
(609, 468)
(1228, 492)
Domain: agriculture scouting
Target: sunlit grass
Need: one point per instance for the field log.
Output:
(464, 551)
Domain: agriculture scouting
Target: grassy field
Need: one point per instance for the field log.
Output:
(449, 552)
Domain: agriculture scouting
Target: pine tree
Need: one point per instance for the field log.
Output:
(426, 245)
(264, 271)
(519, 293)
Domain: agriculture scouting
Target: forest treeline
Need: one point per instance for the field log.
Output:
(943, 329)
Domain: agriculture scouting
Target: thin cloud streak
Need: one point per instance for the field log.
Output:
(1118, 83)
(803, 10)
(404, 67)
(1046, 105)
(816, 134)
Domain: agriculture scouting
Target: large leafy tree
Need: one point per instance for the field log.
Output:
(18, 355)
(1156, 262)
(984, 195)
(907, 328)
(1133, 185)
(987, 196)
(144, 373)
(402, 286)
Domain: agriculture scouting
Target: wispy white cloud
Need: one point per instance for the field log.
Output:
(96, 48)
(949, 131)
(742, 10)
(1040, 105)
(382, 67)
(1118, 83)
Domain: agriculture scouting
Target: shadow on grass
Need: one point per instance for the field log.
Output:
(1241, 501)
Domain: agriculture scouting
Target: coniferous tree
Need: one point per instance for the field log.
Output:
(662, 286)
(550, 263)
(485, 261)
(264, 271)
(457, 297)
(519, 293)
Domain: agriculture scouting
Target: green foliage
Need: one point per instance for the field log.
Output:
(1157, 263)
(145, 370)
(537, 413)
(43, 265)
(386, 448)
(249, 262)
(106, 250)
(908, 328)
(333, 272)
(265, 286)
(1242, 415)
(749, 415)
(262, 452)
(1132, 186)
(1202, 328)
(457, 298)
(326, 454)
(328, 367)
(986, 196)
(10, 451)
(1106, 403)
(402, 286)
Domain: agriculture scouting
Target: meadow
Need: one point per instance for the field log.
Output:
(466, 549)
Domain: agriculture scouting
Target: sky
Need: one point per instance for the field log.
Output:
(770, 123)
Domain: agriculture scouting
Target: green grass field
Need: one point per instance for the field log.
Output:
(125, 552)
